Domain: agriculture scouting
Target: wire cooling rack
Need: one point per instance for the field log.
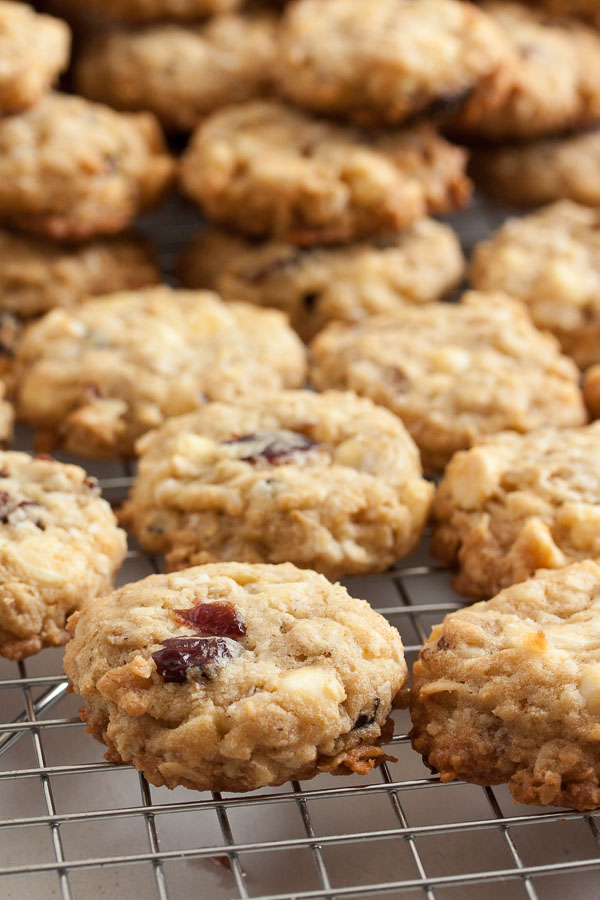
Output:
(75, 826)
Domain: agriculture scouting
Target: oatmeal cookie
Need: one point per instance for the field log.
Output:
(272, 171)
(60, 548)
(508, 690)
(379, 63)
(327, 481)
(233, 677)
(34, 50)
(316, 285)
(97, 376)
(453, 372)
(542, 171)
(71, 169)
(551, 260)
(516, 503)
(180, 73)
(553, 85)
(37, 275)
(149, 10)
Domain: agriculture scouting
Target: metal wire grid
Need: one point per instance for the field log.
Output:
(400, 832)
(74, 826)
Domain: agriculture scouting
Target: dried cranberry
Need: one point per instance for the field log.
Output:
(220, 619)
(193, 656)
(443, 643)
(275, 447)
(367, 719)
(6, 506)
(4, 473)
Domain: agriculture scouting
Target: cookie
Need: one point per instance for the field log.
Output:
(37, 275)
(553, 85)
(591, 390)
(180, 73)
(317, 285)
(516, 503)
(551, 260)
(233, 677)
(453, 372)
(149, 10)
(542, 171)
(326, 481)
(34, 50)
(508, 691)
(7, 417)
(95, 377)
(71, 169)
(379, 63)
(267, 170)
(61, 547)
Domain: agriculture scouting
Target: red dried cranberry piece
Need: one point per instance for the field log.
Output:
(192, 655)
(220, 619)
(275, 447)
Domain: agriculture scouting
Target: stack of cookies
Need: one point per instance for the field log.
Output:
(318, 155)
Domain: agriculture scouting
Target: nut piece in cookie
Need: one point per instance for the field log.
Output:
(268, 170)
(316, 285)
(516, 503)
(71, 169)
(37, 275)
(508, 691)
(552, 85)
(550, 260)
(326, 481)
(34, 50)
(453, 372)
(380, 63)
(542, 171)
(180, 73)
(233, 677)
(60, 549)
(97, 376)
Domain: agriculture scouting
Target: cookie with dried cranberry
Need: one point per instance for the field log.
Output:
(453, 371)
(60, 547)
(508, 691)
(379, 63)
(233, 677)
(326, 481)
(531, 174)
(553, 84)
(268, 170)
(180, 73)
(315, 285)
(95, 377)
(71, 169)
(37, 275)
(34, 50)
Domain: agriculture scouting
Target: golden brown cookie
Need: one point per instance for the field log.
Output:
(180, 73)
(233, 677)
(316, 285)
(453, 372)
(327, 481)
(71, 169)
(267, 170)
(97, 376)
(508, 691)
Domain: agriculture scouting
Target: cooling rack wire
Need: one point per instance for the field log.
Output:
(75, 827)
